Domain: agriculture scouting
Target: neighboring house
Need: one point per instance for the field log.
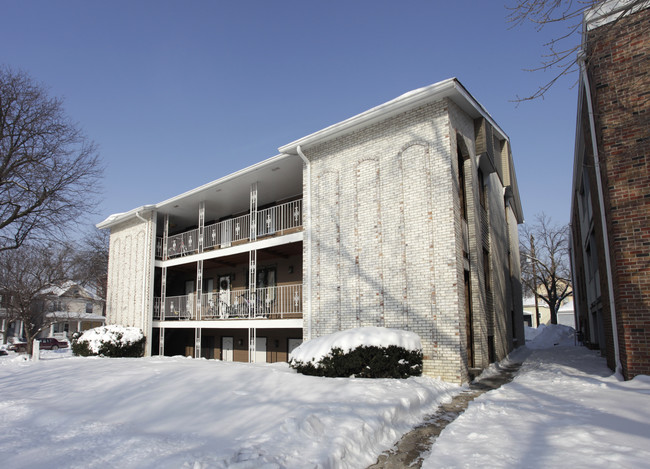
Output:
(565, 314)
(610, 213)
(73, 307)
(404, 216)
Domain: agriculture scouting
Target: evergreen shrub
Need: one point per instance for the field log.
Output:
(109, 341)
(365, 361)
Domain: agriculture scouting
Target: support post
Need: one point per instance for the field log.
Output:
(197, 343)
(201, 224)
(161, 342)
(199, 288)
(165, 237)
(253, 212)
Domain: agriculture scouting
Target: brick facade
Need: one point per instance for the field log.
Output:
(618, 58)
(388, 239)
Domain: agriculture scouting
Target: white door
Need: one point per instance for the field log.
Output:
(293, 344)
(227, 347)
(260, 350)
(224, 296)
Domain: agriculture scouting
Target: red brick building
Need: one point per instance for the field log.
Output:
(610, 211)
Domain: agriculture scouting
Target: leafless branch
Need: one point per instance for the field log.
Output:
(49, 171)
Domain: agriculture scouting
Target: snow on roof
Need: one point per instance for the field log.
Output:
(567, 307)
(64, 289)
(79, 316)
(609, 11)
(450, 88)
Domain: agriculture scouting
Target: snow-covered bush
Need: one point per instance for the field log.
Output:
(367, 352)
(110, 341)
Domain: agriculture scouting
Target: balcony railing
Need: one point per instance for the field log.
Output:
(183, 244)
(270, 221)
(279, 302)
(279, 218)
(224, 233)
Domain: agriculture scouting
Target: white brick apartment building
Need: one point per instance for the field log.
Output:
(404, 216)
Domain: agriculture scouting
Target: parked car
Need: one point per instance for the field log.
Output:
(19, 347)
(46, 343)
(50, 343)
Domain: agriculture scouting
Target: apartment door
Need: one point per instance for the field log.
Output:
(260, 350)
(293, 344)
(227, 349)
(224, 296)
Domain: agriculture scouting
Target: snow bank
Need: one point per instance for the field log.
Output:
(315, 349)
(118, 335)
(550, 336)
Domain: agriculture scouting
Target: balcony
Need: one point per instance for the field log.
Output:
(279, 302)
(272, 221)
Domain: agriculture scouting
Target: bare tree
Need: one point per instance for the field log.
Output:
(49, 171)
(26, 276)
(545, 266)
(90, 262)
(561, 57)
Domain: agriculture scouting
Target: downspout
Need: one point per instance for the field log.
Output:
(601, 204)
(309, 226)
(145, 331)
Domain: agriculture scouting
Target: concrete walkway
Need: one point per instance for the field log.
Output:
(409, 452)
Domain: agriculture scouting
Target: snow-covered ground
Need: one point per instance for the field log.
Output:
(180, 412)
(564, 409)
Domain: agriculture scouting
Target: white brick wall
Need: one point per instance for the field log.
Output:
(387, 235)
(129, 268)
(384, 238)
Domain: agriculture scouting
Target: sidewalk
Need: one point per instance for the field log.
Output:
(564, 408)
(410, 451)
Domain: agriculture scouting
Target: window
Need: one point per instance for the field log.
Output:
(482, 190)
(461, 182)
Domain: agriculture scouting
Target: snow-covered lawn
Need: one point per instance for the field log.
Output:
(563, 409)
(180, 412)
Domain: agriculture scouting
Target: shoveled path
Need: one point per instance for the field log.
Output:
(409, 452)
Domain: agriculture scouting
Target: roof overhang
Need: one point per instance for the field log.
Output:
(450, 88)
(269, 172)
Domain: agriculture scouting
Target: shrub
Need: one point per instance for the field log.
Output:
(109, 341)
(365, 361)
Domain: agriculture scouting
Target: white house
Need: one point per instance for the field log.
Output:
(404, 216)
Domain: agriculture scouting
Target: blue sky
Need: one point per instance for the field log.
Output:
(177, 94)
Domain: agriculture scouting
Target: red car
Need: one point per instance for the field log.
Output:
(50, 343)
(47, 343)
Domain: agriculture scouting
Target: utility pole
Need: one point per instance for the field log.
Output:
(533, 259)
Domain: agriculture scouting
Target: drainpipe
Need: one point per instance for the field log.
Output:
(308, 216)
(144, 286)
(601, 204)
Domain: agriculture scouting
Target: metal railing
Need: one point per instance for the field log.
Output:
(270, 221)
(279, 218)
(156, 308)
(279, 302)
(183, 244)
(224, 233)
(180, 307)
